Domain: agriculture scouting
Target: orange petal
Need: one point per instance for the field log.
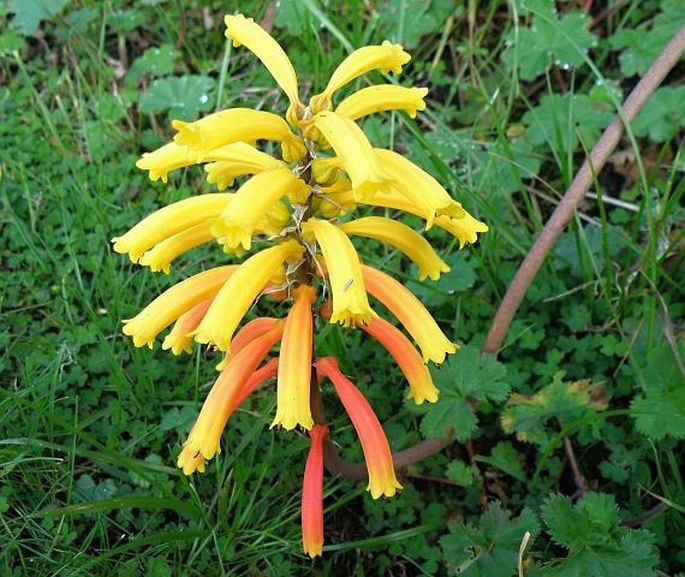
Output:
(379, 464)
(312, 494)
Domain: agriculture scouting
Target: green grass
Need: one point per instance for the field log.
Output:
(90, 427)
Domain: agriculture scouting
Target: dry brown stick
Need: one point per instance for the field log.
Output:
(579, 187)
(579, 480)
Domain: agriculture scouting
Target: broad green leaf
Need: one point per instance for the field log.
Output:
(549, 39)
(563, 121)
(28, 14)
(465, 376)
(663, 116)
(461, 473)
(154, 62)
(506, 458)
(183, 96)
(489, 548)
(409, 20)
(660, 410)
(562, 402)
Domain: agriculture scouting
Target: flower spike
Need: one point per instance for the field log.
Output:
(382, 480)
(295, 367)
(312, 494)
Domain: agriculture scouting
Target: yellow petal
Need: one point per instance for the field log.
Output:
(295, 363)
(237, 125)
(399, 235)
(165, 159)
(174, 302)
(236, 296)
(411, 313)
(464, 229)
(344, 273)
(355, 152)
(381, 98)
(235, 160)
(252, 202)
(179, 338)
(169, 221)
(246, 32)
(160, 257)
(416, 184)
(386, 57)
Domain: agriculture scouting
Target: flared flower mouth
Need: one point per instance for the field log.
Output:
(292, 228)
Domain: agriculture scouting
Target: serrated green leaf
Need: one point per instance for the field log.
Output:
(28, 14)
(461, 473)
(462, 276)
(183, 96)
(598, 546)
(450, 412)
(490, 548)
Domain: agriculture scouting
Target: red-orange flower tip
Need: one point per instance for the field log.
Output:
(312, 494)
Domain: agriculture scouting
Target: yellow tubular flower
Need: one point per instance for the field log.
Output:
(410, 180)
(381, 98)
(295, 363)
(325, 171)
(463, 229)
(386, 57)
(405, 239)
(237, 125)
(204, 440)
(253, 201)
(237, 295)
(235, 160)
(179, 338)
(350, 304)
(165, 159)
(355, 152)
(411, 313)
(336, 199)
(169, 221)
(246, 32)
(173, 302)
(160, 257)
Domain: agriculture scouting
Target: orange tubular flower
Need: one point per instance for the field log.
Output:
(295, 367)
(179, 339)
(204, 439)
(379, 464)
(411, 313)
(421, 387)
(312, 494)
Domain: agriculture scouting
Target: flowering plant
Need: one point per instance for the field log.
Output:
(300, 211)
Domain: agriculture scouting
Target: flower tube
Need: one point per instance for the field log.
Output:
(421, 387)
(295, 366)
(169, 221)
(355, 152)
(179, 338)
(173, 302)
(312, 494)
(387, 57)
(204, 440)
(344, 273)
(379, 464)
(159, 258)
(246, 32)
(237, 295)
(381, 98)
(411, 313)
(403, 238)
